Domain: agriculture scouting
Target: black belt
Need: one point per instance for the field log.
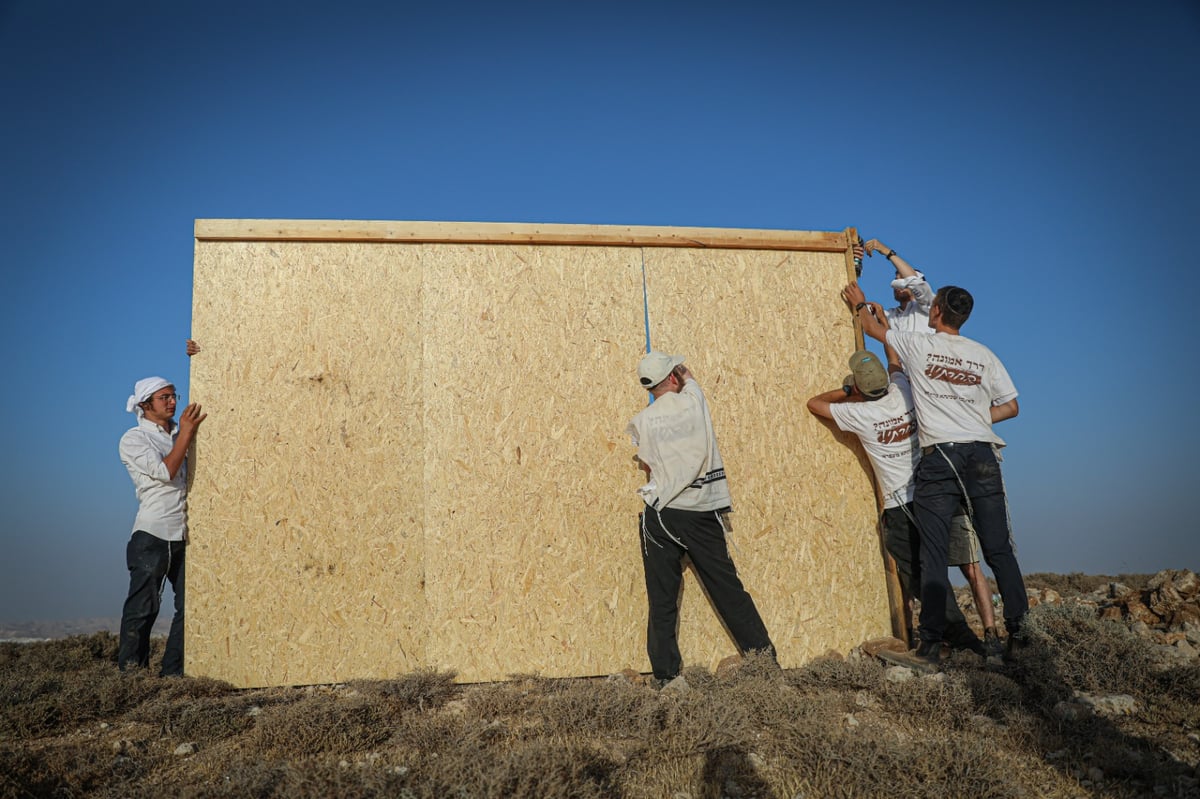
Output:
(951, 444)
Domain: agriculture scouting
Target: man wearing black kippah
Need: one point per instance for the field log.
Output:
(960, 389)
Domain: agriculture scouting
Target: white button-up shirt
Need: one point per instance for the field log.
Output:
(162, 501)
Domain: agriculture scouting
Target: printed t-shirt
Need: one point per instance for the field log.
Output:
(955, 381)
(887, 428)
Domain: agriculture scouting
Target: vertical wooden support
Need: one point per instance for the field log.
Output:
(897, 601)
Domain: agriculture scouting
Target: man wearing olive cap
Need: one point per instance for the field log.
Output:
(686, 497)
(960, 390)
(876, 405)
(155, 454)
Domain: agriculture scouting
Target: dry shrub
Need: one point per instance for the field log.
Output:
(1071, 650)
(51, 684)
(852, 674)
(538, 769)
(322, 723)
(508, 700)
(865, 761)
(994, 695)
(77, 767)
(946, 703)
(422, 689)
(594, 708)
(29, 703)
(200, 718)
(690, 723)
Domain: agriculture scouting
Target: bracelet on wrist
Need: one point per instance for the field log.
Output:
(859, 307)
(890, 254)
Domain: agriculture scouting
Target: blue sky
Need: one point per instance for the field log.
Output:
(1043, 155)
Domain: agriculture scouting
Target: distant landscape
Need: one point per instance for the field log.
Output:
(43, 630)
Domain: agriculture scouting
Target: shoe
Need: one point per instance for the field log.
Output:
(973, 645)
(960, 636)
(1016, 645)
(991, 644)
(925, 659)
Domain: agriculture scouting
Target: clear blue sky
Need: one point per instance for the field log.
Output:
(1043, 155)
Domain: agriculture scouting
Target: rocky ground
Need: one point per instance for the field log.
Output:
(1104, 701)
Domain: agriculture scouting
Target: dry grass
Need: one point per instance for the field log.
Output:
(71, 726)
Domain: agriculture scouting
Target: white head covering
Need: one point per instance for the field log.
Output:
(908, 282)
(142, 390)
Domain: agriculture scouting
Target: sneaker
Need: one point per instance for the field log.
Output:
(991, 644)
(923, 660)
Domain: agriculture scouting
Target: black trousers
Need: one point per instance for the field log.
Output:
(942, 476)
(151, 560)
(704, 538)
(902, 540)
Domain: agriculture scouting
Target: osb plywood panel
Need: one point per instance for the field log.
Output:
(306, 508)
(415, 454)
(531, 557)
(762, 332)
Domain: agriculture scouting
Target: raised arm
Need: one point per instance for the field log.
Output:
(893, 358)
(820, 404)
(857, 302)
(902, 266)
(189, 420)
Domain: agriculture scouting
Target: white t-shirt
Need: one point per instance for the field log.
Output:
(956, 381)
(674, 436)
(887, 428)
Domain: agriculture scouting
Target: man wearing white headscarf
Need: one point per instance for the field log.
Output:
(910, 289)
(155, 453)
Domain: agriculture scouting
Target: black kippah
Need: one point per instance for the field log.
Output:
(959, 300)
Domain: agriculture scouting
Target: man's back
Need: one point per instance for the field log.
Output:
(956, 380)
(887, 428)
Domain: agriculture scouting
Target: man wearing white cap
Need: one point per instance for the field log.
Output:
(155, 453)
(686, 498)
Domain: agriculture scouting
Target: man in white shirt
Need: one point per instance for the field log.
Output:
(155, 454)
(910, 289)
(960, 389)
(686, 497)
(877, 406)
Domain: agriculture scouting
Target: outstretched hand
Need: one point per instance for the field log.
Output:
(853, 295)
(192, 348)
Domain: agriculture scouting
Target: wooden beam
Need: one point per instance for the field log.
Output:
(505, 233)
(897, 601)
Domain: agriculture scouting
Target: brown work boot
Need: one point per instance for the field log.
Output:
(925, 659)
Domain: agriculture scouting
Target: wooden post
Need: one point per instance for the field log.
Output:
(897, 602)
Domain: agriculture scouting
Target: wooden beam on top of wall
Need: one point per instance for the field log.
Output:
(505, 233)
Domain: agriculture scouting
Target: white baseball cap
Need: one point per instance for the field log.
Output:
(655, 366)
